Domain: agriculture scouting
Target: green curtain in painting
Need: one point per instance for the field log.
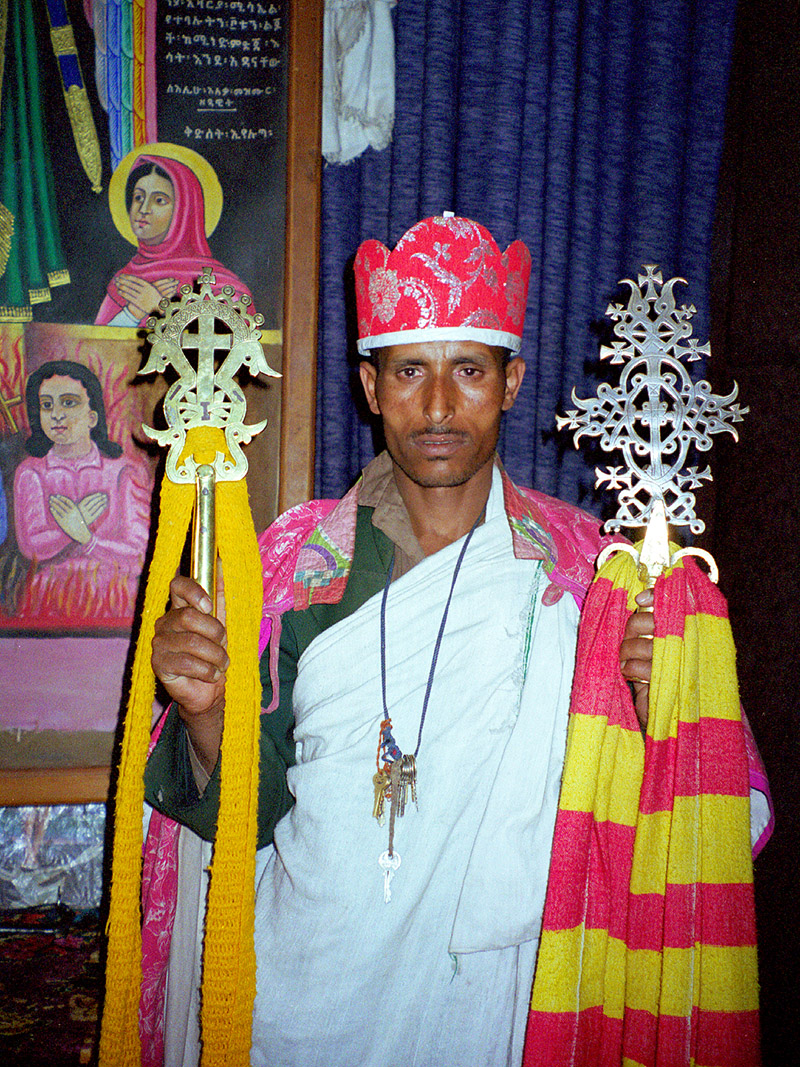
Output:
(30, 239)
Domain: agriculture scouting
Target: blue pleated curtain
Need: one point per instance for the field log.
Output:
(593, 131)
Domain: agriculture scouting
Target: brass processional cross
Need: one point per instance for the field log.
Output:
(205, 396)
(655, 416)
(204, 409)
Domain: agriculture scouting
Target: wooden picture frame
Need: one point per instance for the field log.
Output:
(90, 784)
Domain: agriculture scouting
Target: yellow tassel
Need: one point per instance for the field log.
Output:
(229, 963)
(119, 1042)
(229, 958)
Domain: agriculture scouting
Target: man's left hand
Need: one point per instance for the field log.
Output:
(636, 654)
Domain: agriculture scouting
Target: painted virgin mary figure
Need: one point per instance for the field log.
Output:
(165, 199)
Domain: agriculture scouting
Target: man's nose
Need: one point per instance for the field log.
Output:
(439, 405)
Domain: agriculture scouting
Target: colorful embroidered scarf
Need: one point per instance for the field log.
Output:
(648, 950)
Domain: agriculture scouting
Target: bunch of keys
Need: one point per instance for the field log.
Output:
(394, 785)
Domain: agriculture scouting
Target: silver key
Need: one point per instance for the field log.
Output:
(388, 863)
(408, 780)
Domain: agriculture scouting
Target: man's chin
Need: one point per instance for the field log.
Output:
(439, 473)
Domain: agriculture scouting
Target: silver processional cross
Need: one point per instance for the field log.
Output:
(655, 416)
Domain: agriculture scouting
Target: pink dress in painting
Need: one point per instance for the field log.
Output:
(183, 253)
(119, 535)
(70, 583)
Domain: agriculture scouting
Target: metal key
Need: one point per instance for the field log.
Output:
(388, 863)
(398, 787)
(408, 779)
(381, 782)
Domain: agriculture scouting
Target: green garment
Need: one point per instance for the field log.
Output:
(31, 257)
(169, 782)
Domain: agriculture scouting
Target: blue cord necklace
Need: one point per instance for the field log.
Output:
(397, 773)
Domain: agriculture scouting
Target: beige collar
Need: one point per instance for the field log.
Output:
(379, 490)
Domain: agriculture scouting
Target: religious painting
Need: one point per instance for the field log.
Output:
(156, 123)
(165, 199)
(78, 479)
(144, 140)
(77, 485)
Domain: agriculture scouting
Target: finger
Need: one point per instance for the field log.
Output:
(186, 618)
(645, 599)
(190, 620)
(186, 634)
(186, 592)
(59, 505)
(641, 702)
(132, 290)
(636, 648)
(100, 502)
(637, 670)
(639, 624)
(186, 654)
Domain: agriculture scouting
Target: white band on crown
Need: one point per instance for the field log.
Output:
(498, 338)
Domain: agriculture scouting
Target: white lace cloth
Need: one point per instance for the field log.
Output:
(357, 78)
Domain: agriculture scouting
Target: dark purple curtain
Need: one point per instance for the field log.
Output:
(593, 131)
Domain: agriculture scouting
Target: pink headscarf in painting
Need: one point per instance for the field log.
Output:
(184, 252)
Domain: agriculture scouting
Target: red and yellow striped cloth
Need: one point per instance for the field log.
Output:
(648, 949)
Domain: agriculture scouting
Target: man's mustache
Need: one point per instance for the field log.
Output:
(437, 431)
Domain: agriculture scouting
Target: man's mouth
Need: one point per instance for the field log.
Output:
(438, 442)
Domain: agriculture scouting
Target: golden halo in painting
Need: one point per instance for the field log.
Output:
(205, 173)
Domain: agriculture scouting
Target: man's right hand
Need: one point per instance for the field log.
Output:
(190, 659)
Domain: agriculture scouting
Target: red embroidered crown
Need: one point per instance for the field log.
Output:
(445, 281)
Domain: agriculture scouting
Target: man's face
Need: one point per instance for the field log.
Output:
(441, 403)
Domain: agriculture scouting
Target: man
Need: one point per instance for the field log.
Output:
(428, 656)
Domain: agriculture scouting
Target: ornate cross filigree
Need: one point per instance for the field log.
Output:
(656, 414)
(207, 395)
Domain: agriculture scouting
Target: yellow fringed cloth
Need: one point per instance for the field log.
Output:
(229, 966)
(648, 949)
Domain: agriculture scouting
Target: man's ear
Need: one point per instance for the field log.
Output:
(369, 377)
(515, 372)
